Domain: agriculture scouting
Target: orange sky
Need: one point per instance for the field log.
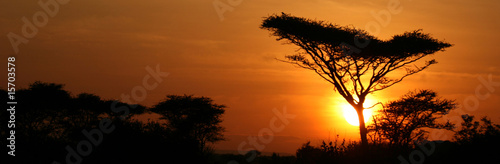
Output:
(103, 47)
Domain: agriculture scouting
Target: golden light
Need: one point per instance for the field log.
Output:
(351, 116)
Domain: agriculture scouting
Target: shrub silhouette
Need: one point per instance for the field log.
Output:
(346, 152)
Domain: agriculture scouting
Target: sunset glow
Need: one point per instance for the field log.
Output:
(118, 50)
(351, 116)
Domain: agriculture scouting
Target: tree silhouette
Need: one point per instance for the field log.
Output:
(475, 142)
(51, 118)
(403, 121)
(474, 132)
(193, 118)
(355, 62)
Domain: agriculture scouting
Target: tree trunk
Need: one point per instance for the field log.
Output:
(362, 127)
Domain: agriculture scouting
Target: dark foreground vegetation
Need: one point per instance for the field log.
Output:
(476, 142)
(53, 126)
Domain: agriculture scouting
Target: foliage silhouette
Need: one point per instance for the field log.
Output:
(473, 132)
(346, 152)
(328, 152)
(259, 159)
(475, 142)
(404, 121)
(49, 119)
(354, 71)
(191, 117)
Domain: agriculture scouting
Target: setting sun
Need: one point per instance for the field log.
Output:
(351, 116)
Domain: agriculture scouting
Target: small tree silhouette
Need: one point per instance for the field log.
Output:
(354, 71)
(473, 131)
(476, 141)
(403, 121)
(193, 118)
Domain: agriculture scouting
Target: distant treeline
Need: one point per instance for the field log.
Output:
(53, 125)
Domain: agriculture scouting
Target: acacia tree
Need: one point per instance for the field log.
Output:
(355, 62)
(404, 121)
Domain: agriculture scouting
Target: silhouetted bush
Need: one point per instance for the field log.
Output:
(259, 159)
(342, 152)
(404, 121)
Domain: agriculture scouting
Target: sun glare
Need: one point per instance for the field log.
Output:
(351, 116)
